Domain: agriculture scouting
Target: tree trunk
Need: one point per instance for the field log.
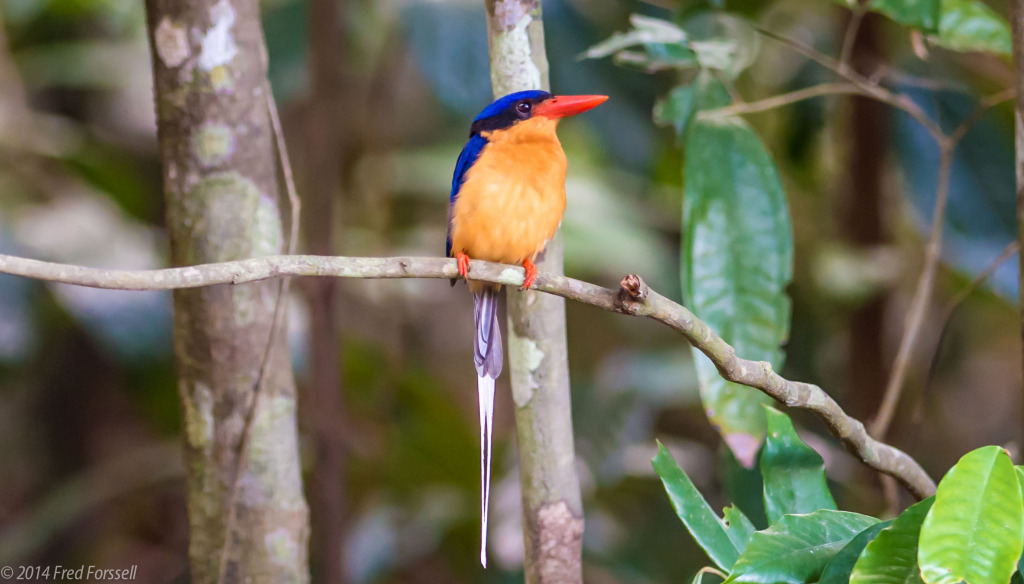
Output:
(861, 218)
(552, 510)
(220, 184)
(322, 404)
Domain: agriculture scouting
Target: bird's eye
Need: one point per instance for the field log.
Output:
(523, 108)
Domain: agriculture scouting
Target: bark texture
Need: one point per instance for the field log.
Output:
(220, 187)
(552, 510)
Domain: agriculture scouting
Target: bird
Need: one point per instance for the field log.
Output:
(507, 201)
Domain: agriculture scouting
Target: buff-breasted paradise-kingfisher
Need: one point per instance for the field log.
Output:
(507, 201)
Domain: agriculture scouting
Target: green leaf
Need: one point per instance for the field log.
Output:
(922, 14)
(743, 486)
(891, 558)
(975, 529)
(737, 260)
(707, 529)
(837, 570)
(738, 527)
(676, 108)
(794, 474)
(796, 549)
(970, 25)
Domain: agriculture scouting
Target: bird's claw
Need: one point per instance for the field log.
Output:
(463, 260)
(531, 274)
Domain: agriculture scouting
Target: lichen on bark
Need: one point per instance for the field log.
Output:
(220, 185)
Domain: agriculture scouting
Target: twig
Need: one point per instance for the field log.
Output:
(979, 112)
(633, 298)
(850, 38)
(922, 297)
(783, 99)
(954, 303)
(277, 323)
(869, 88)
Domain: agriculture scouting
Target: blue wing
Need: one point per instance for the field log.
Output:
(469, 155)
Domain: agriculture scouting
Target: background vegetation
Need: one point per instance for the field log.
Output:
(89, 416)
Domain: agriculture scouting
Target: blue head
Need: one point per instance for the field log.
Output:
(504, 112)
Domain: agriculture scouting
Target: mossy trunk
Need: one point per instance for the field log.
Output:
(552, 510)
(220, 188)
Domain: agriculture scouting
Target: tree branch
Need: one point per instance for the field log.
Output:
(634, 298)
(922, 297)
(784, 99)
(856, 17)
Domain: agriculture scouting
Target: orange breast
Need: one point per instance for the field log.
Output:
(513, 198)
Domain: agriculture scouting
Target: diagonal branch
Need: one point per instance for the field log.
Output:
(634, 298)
(922, 298)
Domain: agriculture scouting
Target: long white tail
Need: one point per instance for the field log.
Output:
(487, 356)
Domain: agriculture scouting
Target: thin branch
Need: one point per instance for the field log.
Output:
(922, 297)
(783, 99)
(277, 324)
(634, 298)
(850, 38)
(979, 112)
(869, 87)
(954, 303)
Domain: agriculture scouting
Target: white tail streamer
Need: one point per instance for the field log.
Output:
(485, 389)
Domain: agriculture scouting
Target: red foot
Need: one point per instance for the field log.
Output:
(531, 274)
(463, 263)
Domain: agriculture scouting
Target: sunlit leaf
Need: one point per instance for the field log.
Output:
(837, 570)
(721, 41)
(645, 31)
(797, 548)
(707, 529)
(891, 558)
(922, 14)
(970, 25)
(736, 261)
(793, 473)
(975, 529)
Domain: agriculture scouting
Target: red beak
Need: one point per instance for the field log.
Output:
(562, 106)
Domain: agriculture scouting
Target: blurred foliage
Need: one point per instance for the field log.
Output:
(86, 376)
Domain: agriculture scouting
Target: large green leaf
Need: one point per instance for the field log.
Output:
(975, 529)
(716, 537)
(794, 474)
(970, 25)
(737, 260)
(891, 558)
(923, 14)
(796, 549)
(837, 570)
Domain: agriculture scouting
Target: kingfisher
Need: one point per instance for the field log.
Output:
(507, 201)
